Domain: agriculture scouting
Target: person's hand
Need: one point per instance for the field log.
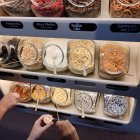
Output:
(8, 101)
(67, 130)
(37, 129)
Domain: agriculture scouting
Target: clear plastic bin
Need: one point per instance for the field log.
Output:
(19, 8)
(62, 96)
(83, 8)
(125, 8)
(30, 53)
(55, 55)
(52, 8)
(40, 93)
(81, 54)
(114, 60)
(86, 100)
(8, 53)
(116, 106)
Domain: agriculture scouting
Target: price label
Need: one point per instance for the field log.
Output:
(125, 28)
(83, 26)
(12, 24)
(45, 25)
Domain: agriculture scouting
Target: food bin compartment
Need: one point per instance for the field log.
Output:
(18, 8)
(81, 54)
(114, 60)
(80, 8)
(62, 96)
(86, 101)
(23, 90)
(125, 8)
(52, 8)
(55, 55)
(30, 53)
(40, 93)
(8, 52)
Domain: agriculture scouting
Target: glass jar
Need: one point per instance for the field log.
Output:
(55, 55)
(81, 54)
(8, 53)
(125, 8)
(114, 60)
(48, 8)
(18, 8)
(83, 8)
(30, 53)
(86, 100)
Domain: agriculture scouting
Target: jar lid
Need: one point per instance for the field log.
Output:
(81, 3)
(43, 4)
(129, 2)
(27, 53)
(4, 52)
(53, 52)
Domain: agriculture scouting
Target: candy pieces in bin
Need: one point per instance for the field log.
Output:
(40, 93)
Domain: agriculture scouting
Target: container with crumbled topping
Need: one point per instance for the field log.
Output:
(18, 8)
(114, 60)
(83, 8)
(62, 97)
(30, 53)
(40, 93)
(47, 8)
(23, 90)
(81, 54)
(86, 100)
(115, 106)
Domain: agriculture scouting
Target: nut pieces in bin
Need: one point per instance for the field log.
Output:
(40, 93)
(23, 90)
(85, 100)
(30, 53)
(115, 106)
(62, 97)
